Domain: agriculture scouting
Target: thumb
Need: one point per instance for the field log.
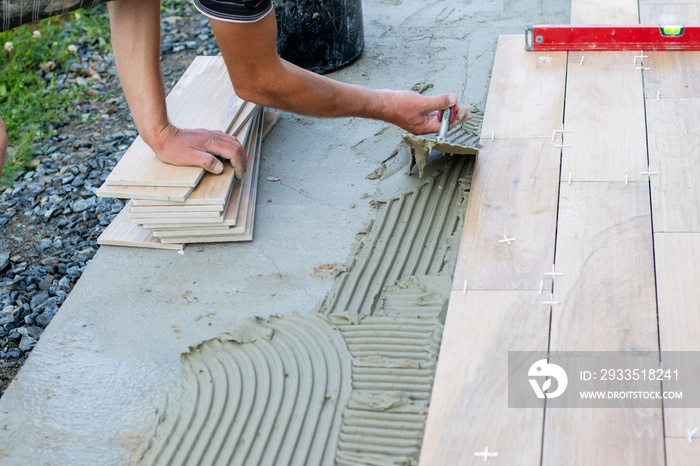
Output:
(439, 102)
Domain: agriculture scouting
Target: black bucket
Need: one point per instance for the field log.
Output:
(319, 35)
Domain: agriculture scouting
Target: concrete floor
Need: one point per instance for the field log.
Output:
(91, 390)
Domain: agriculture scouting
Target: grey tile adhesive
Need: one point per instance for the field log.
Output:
(350, 383)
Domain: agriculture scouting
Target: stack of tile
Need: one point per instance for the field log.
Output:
(171, 206)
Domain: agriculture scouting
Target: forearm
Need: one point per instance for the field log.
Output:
(260, 76)
(289, 87)
(3, 144)
(135, 28)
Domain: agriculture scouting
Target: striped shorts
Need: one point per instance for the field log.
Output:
(235, 11)
(14, 13)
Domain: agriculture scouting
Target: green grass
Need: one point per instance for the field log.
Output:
(29, 102)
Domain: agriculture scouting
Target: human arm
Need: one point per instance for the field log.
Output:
(260, 76)
(3, 144)
(135, 28)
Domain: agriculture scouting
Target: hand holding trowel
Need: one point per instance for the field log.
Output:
(420, 147)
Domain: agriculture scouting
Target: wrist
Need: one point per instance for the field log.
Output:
(157, 136)
(387, 106)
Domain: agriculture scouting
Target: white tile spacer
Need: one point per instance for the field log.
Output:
(486, 454)
(541, 285)
(690, 433)
(641, 57)
(581, 64)
(551, 302)
(626, 178)
(658, 94)
(553, 273)
(560, 131)
(561, 146)
(545, 59)
(506, 240)
(569, 177)
(493, 134)
(649, 172)
(464, 288)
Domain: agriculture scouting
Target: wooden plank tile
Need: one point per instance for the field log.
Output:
(192, 231)
(241, 122)
(247, 234)
(675, 13)
(212, 190)
(604, 436)
(607, 296)
(270, 119)
(624, 57)
(136, 217)
(176, 208)
(605, 114)
(523, 85)
(212, 238)
(674, 144)
(469, 403)
(139, 166)
(179, 220)
(202, 98)
(604, 251)
(121, 232)
(238, 192)
(248, 192)
(604, 12)
(677, 421)
(178, 226)
(153, 193)
(514, 192)
(679, 452)
(672, 75)
(677, 278)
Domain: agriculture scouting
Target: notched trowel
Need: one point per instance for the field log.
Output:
(420, 147)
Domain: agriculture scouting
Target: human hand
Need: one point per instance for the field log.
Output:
(419, 114)
(197, 148)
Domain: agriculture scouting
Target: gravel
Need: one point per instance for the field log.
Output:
(51, 217)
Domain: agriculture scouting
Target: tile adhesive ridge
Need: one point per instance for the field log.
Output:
(348, 384)
(262, 392)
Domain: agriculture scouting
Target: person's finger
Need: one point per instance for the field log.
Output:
(438, 102)
(239, 163)
(463, 114)
(206, 161)
(231, 150)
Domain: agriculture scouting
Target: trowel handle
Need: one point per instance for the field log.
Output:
(447, 116)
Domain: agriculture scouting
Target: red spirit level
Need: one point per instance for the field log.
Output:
(612, 37)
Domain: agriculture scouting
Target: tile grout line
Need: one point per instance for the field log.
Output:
(554, 252)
